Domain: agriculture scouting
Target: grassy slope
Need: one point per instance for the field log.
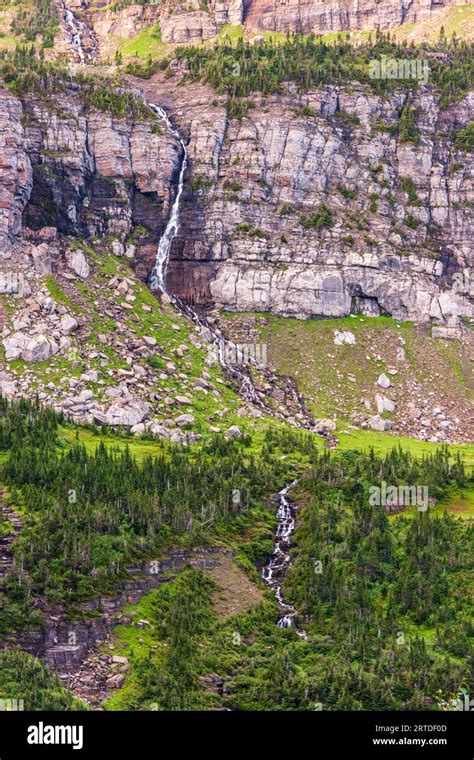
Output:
(146, 43)
(456, 19)
(335, 379)
(86, 301)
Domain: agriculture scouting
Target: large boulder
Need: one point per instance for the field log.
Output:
(183, 400)
(126, 414)
(233, 432)
(185, 419)
(377, 423)
(8, 388)
(156, 428)
(68, 324)
(78, 263)
(325, 426)
(384, 404)
(14, 345)
(344, 336)
(185, 438)
(35, 348)
(39, 348)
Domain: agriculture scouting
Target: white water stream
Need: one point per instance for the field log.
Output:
(76, 30)
(274, 573)
(157, 280)
(158, 275)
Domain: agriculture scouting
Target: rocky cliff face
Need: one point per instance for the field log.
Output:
(15, 169)
(309, 206)
(84, 195)
(337, 15)
(90, 174)
(253, 233)
(196, 22)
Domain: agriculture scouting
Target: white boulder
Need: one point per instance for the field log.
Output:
(384, 404)
(129, 414)
(68, 324)
(383, 381)
(377, 423)
(78, 263)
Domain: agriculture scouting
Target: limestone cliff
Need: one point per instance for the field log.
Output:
(15, 169)
(194, 22)
(311, 205)
(323, 16)
(399, 218)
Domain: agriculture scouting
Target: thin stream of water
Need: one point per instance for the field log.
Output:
(76, 30)
(157, 280)
(274, 572)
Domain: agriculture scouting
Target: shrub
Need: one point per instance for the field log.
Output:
(408, 187)
(323, 217)
(464, 139)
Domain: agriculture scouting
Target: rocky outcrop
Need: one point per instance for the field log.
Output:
(187, 27)
(196, 21)
(170, 23)
(120, 22)
(194, 24)
(228, 11)
(253, 234)
(325, 16)
(94, 174)
(35, 348)
(68, 646)
(15, 170)
(128, 415)
(311, 205)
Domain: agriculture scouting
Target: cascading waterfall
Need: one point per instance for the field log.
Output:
(274, 573)
(158, 275)
(157, 279)
(76, 31)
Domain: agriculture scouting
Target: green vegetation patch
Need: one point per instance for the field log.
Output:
(240, 68)
(27, 681)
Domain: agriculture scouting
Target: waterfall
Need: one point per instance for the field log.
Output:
(76, 31)
(274, 572)
(157, 281)
(158, 275)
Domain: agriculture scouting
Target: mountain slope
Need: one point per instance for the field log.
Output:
(196, 494)
(152, 27)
